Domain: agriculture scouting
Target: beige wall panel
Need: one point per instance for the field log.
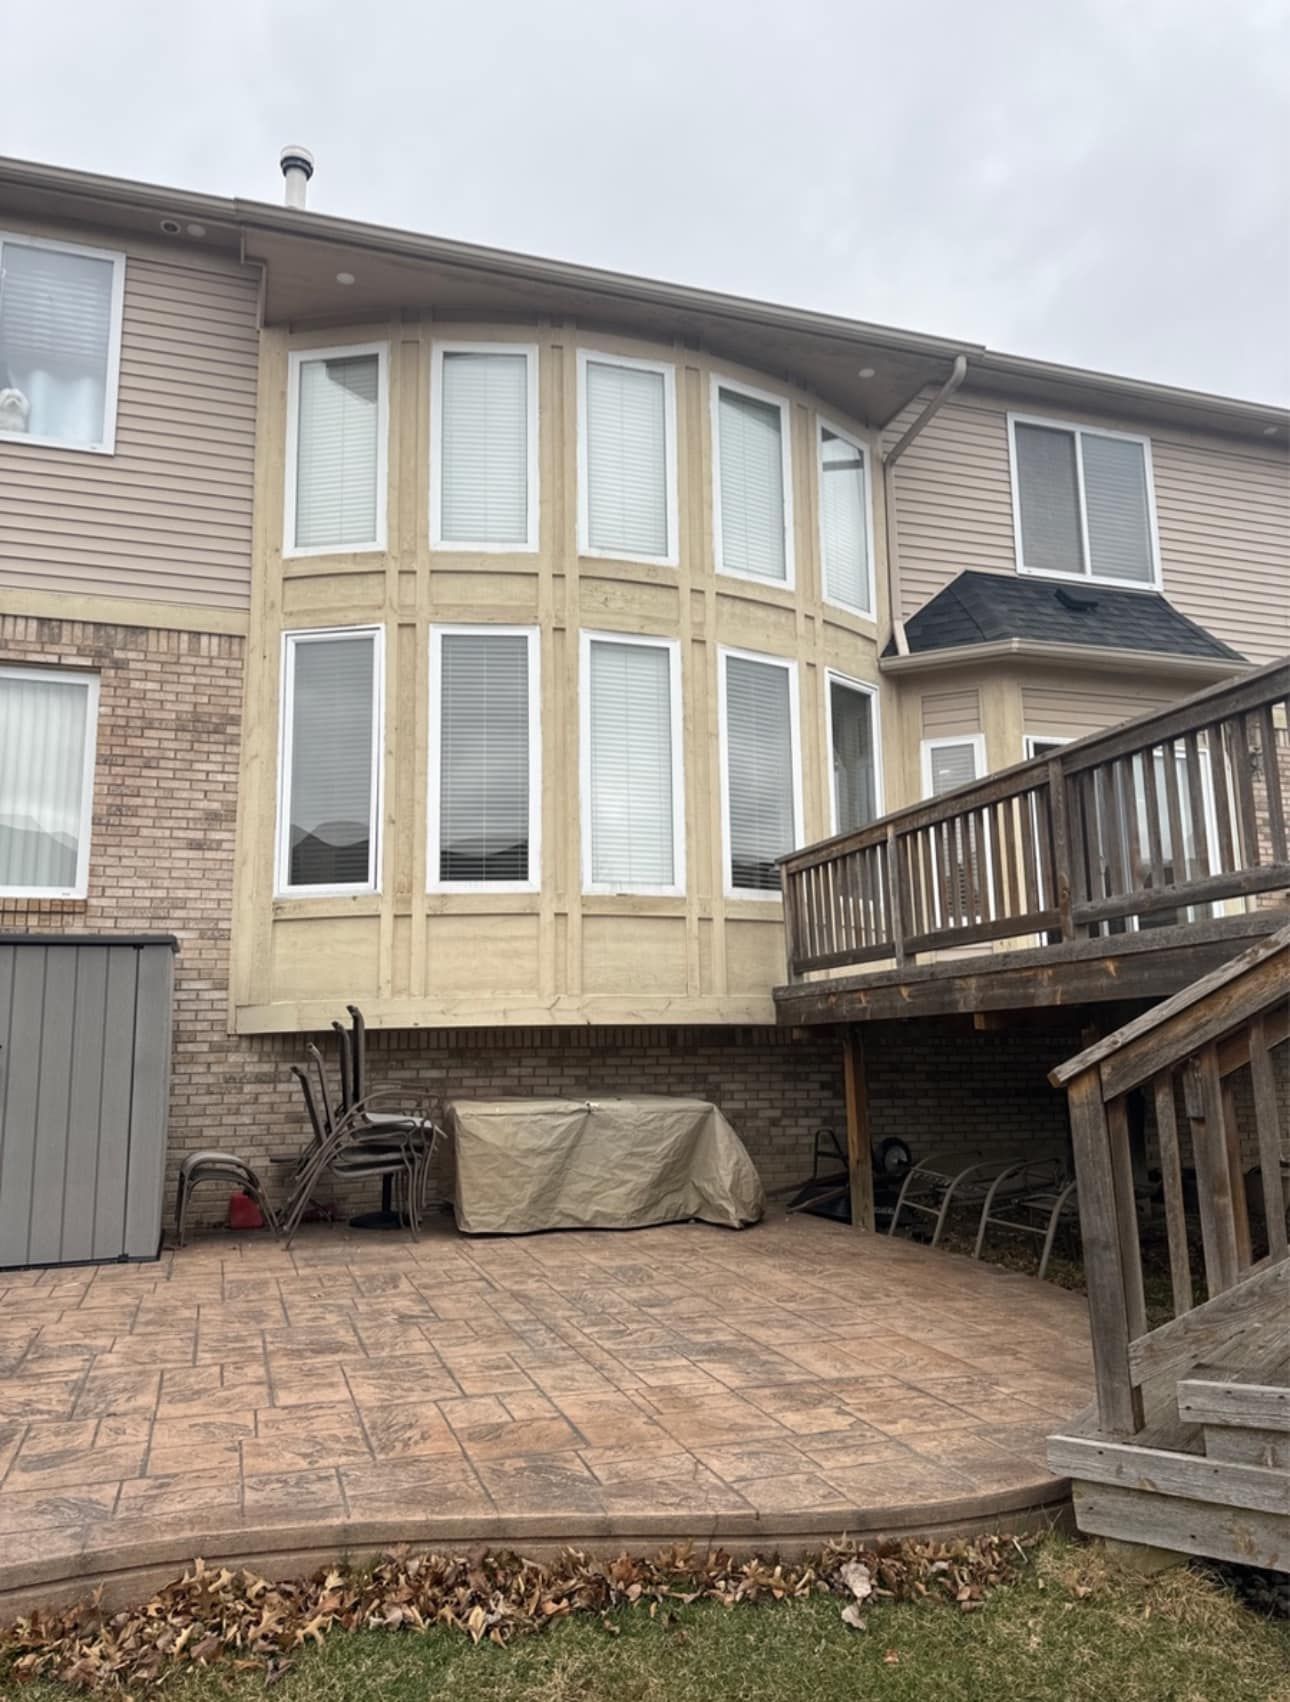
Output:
(629, 605)
(317, 955)
(750, 623)
(1070, 709)
(633, 954)
(321, 599)
(949, 712)
(754, 956)
(497, 595)
(482, 954)
(167, 517)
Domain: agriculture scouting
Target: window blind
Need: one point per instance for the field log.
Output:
(629, 762)
(626, 459)
(751, 481)
(484, 450)
(44, 726)
(331, 788)
(951, 766)
(55, 336)
(759, 771)
(1048, 498)
(1115, 490)
(844, 538)
(337, 452)
(855, 798)
(483, 757)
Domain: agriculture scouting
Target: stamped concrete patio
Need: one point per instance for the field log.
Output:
(792, 1381)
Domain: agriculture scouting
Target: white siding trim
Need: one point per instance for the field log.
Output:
(673, 646)
(89, 683)
(1030, 740)
(531, 358)
(831, 678)
(795, 745)
(295, 359)
(281, 883)
(433, 796)
(112, 379)
(1078, 430)
(720, 383)
(672, 557)
(823, 424)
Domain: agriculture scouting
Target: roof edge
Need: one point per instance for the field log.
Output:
(1104, 659)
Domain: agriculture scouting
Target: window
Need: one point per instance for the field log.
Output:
(752, 501)
(1083, 505)
(633, 836)
(853, 747)
(60, 343)
(484, 481)
(951, 762)
(627, 458)
(485, 786)
(47, 727)
(336, 431)
(1042, 744)
(761, 801)
(329, 805)
(845, 530)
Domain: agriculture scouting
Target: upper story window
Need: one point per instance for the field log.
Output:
(337, 413)
(484, 432)
(761, 788)
(752, 496)
(47, 730)
(626, 458)
(853, 748)
(60, 343)
(330, 767)
(1082, 503)
(485, 789)
(845, 529)
(633, 837)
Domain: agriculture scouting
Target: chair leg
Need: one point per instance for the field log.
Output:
(1053, 1221)
(181, 1208)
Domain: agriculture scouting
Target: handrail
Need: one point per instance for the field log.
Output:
(1179, 809)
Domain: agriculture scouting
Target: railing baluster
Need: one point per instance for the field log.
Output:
(895, 901)
(1203, 854)
(1272, 784)
(1241, 760)
(1173, 816)
(1171, 1181)
(1059, 833)
(1221, 799)
(1151, 803)
(1267, 1121)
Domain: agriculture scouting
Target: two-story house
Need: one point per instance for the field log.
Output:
(467, 635)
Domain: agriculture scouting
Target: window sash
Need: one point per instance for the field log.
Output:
(330, 763)
(1102, 527)
(484, 436)
(951, 761)
(336, 450)
(855, 781)
(761, 802)
(846, 553)
(627, 458)
(91, 313)
(48, 734)
(478, 732)
(633, 776)
(752, 484)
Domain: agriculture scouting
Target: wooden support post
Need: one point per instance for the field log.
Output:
(1126, 1216)
(1236, 1168)
(1268, 1121)
(859, 1131)
(1213, 1173)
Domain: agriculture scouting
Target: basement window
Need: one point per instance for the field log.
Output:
(47, 730)
(1082, 503)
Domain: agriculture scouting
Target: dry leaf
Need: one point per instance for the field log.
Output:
(852, 1616)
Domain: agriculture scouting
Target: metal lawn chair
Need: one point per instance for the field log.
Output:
(1035, 1197)
(940, 1183)
(214, 1166)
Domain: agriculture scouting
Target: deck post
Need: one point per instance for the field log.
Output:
(859, 1131)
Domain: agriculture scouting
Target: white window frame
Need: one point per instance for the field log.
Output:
(724, 653)
(823, 424)
(533, 518)
(433, 797)
(89, 683)
(282, 887)
(585, 548)
(586, 638)
(833, 677)
(1030, 740)
(719, 383)
(295, 359)
(112, 376)
(928, 745)
(1078, 431)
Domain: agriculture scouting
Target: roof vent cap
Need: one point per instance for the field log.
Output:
(297, 168)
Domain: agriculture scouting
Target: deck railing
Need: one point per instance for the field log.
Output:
(1147, 824)
(1201, 1064)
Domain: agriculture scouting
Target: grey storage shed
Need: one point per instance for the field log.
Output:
(85, 1028)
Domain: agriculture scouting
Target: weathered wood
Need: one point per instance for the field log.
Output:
(1126, 1217)
(1267, 1117)
(1204, 855)
(1247, 1447)
(1213, 1175)
(1235, 1169)
(1155, 838)
(1171, 1181)
(1272, 785)
(1219, 796)
(1201, 709)
(1203, 1332)
(1193, 1527)
(1194, 1477)
(1061, 843)
(859, 1132)
(895, 896)
(1005, 928)
(1255, 1406)
(1241, 763)
(1234, 1051)
(1143, 901)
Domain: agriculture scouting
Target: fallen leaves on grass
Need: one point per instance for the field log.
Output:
(213, 1614)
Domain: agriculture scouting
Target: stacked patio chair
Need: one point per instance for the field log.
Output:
(213, 1166)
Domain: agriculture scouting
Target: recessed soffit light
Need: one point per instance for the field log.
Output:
(172, 227)
(195, 230)
(344, 277)
(1271, 431)
(864, 372)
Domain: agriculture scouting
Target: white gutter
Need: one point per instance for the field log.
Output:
(1081, 655)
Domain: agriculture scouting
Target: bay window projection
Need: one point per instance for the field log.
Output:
(336, 431)
(633, 791)
(627, 459)
(484, 431)
(761, 797)
(752, 495)
(47, 731)
(1083, 503)
(844, 523)
(485, 788)
(853, 750)
(60, 339)
(331, 764)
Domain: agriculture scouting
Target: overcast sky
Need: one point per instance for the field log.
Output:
(1105, 182)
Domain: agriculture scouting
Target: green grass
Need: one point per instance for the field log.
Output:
(1073, 1629)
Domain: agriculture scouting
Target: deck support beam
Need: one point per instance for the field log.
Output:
(859, 1131)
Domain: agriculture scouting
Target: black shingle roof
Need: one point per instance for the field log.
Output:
(983, 608)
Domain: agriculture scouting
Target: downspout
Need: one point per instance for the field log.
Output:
(889, 458)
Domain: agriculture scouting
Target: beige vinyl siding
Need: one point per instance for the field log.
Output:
(1069, 712)
(167, 518)
(948, 712)
(1223, 510)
